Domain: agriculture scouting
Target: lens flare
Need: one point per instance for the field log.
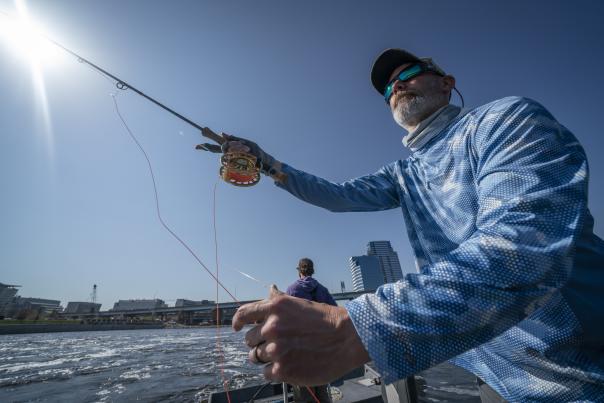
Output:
(28, 41)
(26, 38)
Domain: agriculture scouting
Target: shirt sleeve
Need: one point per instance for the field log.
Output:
(531, 180)
(373, 192)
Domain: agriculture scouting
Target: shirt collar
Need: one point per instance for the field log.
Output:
(431, 126)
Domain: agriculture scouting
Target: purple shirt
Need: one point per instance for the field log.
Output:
(310, 289)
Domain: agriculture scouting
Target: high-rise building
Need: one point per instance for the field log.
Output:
(389, 263)
(366, 273)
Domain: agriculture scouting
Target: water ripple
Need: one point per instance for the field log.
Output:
(147, 365)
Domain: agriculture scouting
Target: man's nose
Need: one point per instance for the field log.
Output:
(399, 86)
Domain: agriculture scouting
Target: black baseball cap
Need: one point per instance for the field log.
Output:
(389, 60)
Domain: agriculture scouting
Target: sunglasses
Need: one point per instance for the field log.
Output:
(405, 75)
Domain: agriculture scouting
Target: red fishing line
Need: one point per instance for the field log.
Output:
(183, 243)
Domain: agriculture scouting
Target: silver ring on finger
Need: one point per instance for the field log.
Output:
(257, 358)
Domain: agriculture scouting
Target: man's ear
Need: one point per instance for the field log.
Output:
(448, 83)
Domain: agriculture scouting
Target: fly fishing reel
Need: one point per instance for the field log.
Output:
(239, 169)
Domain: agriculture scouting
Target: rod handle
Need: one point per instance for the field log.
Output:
(207, 132)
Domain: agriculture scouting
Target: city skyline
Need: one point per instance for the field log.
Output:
(380, 250)
(93, 296)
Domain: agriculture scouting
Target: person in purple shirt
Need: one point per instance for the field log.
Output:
(308, 288)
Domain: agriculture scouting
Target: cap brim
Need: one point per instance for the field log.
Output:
(386, 63)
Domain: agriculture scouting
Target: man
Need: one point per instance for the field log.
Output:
(510, 283)
(307, 287)
(310, 289)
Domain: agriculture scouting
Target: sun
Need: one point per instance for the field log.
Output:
(30, 42)
(26, 38)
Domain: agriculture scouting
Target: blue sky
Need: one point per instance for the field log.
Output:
(77, 202)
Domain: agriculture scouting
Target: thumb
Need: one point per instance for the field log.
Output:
(274, 291)
(228, 137)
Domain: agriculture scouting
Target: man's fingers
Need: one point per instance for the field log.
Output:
(207, 132)
(255, 355)
(251, 313)
(271, 372)
(274, 291)
(264, 353)
(236, 147)
(213, 148)
(253, 337)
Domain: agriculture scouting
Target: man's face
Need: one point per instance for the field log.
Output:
(415, 99)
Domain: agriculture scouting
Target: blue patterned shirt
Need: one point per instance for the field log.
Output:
(511, 277)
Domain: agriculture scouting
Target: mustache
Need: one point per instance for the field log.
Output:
(398, 97)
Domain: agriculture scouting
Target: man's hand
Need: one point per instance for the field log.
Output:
(302, 342)
(226, 143)
(268, 165)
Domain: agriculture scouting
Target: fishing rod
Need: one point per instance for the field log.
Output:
(122, 85)
(237, 168)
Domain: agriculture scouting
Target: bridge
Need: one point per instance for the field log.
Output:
(193, 314)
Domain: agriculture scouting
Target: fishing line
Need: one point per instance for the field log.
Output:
(183, 243)
(155, 193)
(266, 285)
(218, 335)
(260, 389)
(309, 389)
(251, 176)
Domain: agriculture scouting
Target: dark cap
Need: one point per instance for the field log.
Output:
(390, 60)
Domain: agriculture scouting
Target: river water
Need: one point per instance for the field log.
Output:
(171, 365)
(148, 365)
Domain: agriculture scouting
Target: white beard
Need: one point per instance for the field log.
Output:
(411, 110)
